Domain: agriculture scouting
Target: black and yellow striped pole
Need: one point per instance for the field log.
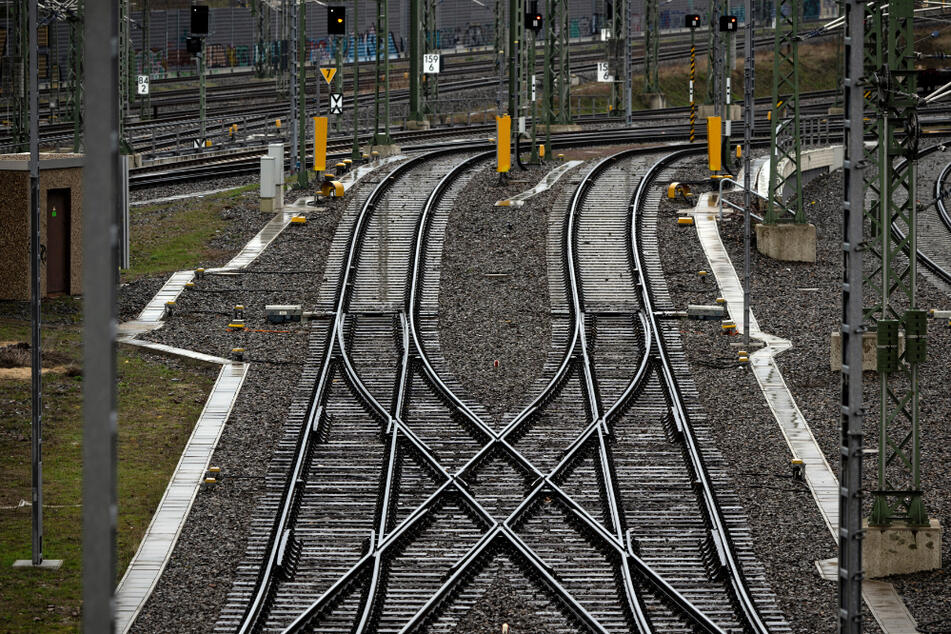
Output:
(693, 76)
(692, 21)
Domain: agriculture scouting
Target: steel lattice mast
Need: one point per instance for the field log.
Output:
(714, 92)
(430, 45)
(899, 493)
(651, 47)
(381, 111)
(616, 47)
(415, 55)
(785, 188)
(557, 78)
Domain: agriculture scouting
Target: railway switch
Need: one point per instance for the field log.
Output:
(238, 312)
(169, 308)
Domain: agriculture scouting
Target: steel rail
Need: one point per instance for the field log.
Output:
(293, 489)
(545, 483)
(384, 542)
(710, 504)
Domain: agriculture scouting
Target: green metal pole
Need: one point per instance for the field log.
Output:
(530, 80)
(899, 494)
(303, 173)
(513, 59)
(356, 155)
(201, 91)
(338, 77)
(415, 111)
(145, 102)
(652, 48)
(785, 140)
(76, 29)
(381, 121)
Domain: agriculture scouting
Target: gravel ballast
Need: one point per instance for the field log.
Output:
(788, 531)
(199, 575)
(493, 299)
(802, 302)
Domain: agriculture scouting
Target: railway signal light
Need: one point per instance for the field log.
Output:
(692, 21)
(199, 19)
(533, 20)
(336, 20)
(728, 23)
(193, 45)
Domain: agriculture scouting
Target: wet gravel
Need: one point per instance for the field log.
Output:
(199, 575)
(789, 533)
(815, 292)
(498, 253)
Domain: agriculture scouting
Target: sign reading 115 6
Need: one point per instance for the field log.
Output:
(431, 63)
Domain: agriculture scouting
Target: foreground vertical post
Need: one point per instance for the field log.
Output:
(748, 123)
(35, 302)
(100, 187)
(851, 416)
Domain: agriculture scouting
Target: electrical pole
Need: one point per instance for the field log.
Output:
(338, 76)
(852, 411)
(652, 47)
(785, 141)
(513, 53)
(301, 66)
(431, 45)
(749, 121)
(899, 495)
(499, 54)
(200, 61)
(101, 187)
(628, 60)
(35, 301)
(714, 92)
(415, 55)
(145, 101)
(381, 124)
(356, 155)
(76, 73)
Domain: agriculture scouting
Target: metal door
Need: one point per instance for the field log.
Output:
(57, 241)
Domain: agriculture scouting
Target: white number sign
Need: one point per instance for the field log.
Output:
(533, 87)
(605, 35)
(604, 73)
(143, 85)
(431, 63)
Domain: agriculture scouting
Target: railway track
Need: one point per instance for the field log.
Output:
(934, 229)
(394, 504)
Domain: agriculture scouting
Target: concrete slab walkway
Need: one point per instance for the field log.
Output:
(159, 541)
(884, 603)
(543, 185)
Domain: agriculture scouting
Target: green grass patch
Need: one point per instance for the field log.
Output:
(158, 407)
(174, 236)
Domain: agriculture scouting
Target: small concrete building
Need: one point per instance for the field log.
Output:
(61, 195)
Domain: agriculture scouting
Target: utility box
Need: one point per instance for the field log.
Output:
(61, 231)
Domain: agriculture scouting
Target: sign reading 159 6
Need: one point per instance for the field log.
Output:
(431, 63)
